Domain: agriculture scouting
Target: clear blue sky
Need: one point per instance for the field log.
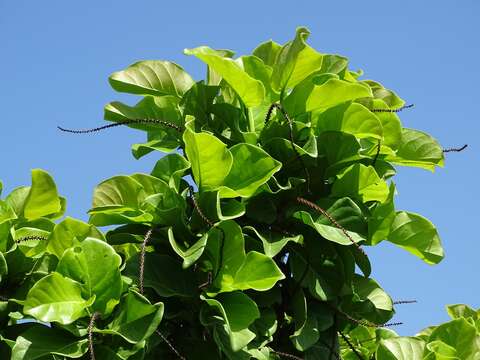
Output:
(56, 57)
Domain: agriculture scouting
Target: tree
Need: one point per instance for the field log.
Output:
(244, 239)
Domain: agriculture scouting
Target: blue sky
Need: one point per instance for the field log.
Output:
(56, 57)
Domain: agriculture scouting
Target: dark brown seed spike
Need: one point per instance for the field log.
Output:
(315, 207)
(455, 149)
(400, 302)
(198, 209)
(392, 110)
(124, 122)
(142, 259)
(90, 327)
(170, 345)
(30, 237)
(350, 345)
(286, 355)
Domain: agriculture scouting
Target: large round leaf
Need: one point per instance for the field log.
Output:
(95, 265)
(55, 298)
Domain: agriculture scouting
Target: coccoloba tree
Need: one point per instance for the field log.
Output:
(244, 240)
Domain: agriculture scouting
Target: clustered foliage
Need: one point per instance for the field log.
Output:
(246, 238)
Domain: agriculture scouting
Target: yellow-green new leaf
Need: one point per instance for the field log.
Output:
(55, 298)
(250, 90)
(417, 235)
(209, 157)
(43, 197)
(152, 77)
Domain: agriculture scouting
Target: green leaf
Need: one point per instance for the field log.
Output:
(68, 233)
(152, 77)
(240, 271)
(239, 312)
(334, 92)
(55, 298)
(361, 182)
(371, 301)
(401, 348)
(250, 90)
(136, 318)
(95, 265)
(417, 235)
(330, 231)
(273, 242)
(118, 200)
(171, 168)
(380, 222)
(3, 267)
(461, 335)
(211, 161)
(39, 341)
(191, 253)
(267, 52)
(251, 168)
(43, 197)
(351, 118)
(418, 149)
(286, 59)
(118, 191)
(163, 274)
(441, 351)
(457, 311)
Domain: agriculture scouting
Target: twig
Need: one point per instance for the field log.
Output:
(314, 206)
(142, 259)
(90, 327)
(393, 110)
(170, 345)
(124, 122)
(455, 149)
(350, 345)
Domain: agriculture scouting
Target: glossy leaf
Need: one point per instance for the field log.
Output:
(152, 77)
(417, 235)
(351, 118)
(95, 265)
(238, 311)
(68, 233)
(210, 159)
(418, 149)
(250, 90)
(400, 349)
(136, 318)
(361, 182)
(55, 298)
(40, 341)
(42, 198)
